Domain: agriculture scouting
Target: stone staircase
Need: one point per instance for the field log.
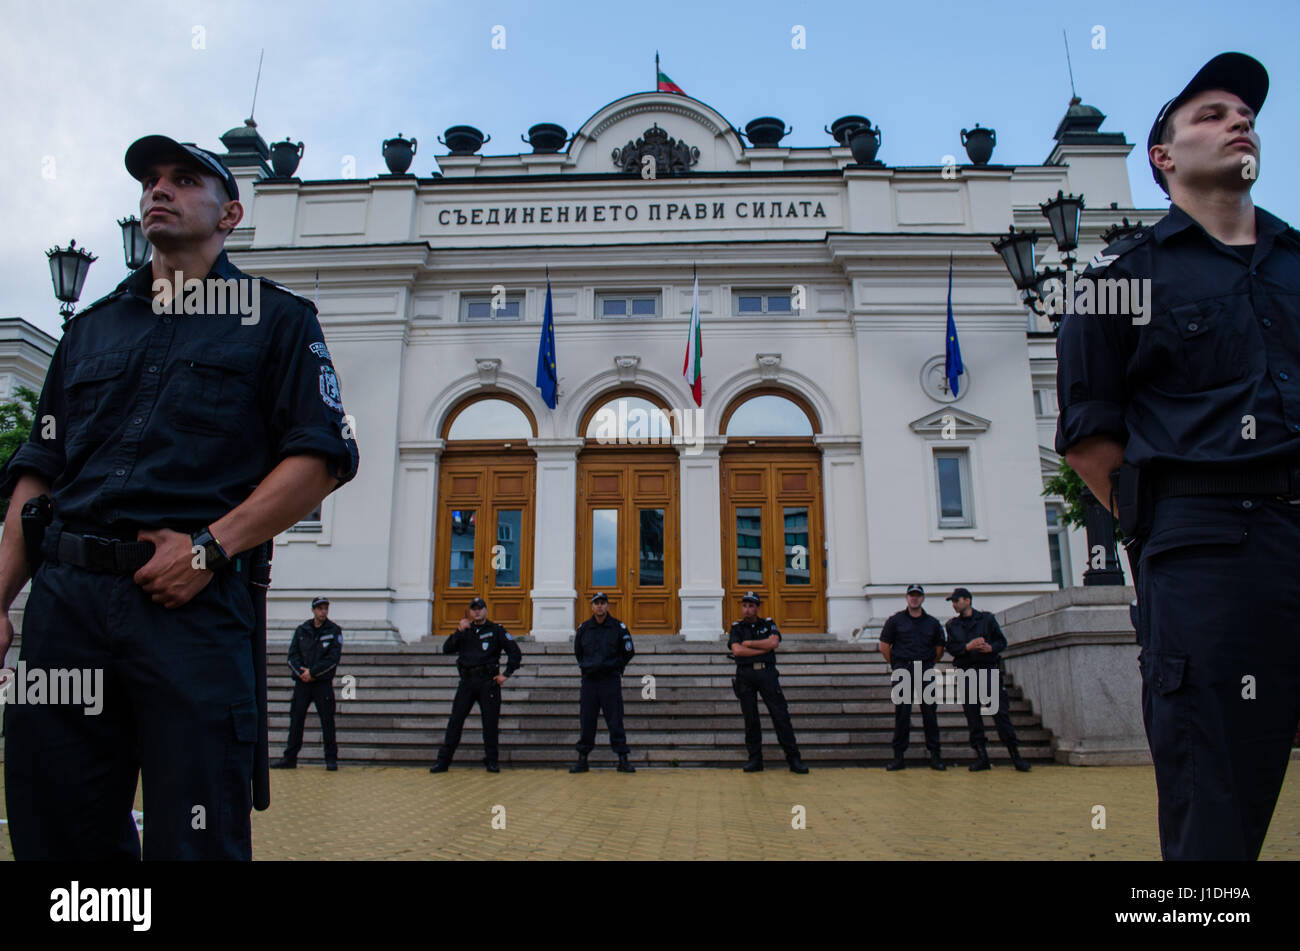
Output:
(838, 693)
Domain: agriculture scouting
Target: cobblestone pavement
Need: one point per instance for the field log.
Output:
(406, 813)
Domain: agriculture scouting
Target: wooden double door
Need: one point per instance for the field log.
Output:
(772, 536)
(627, 537)
(484, 539)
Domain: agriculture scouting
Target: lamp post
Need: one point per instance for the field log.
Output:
(134, 244)
(1064, 214)
(68, 269)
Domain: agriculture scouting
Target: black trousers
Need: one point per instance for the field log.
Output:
(1001, 719)
(1219, 626)
(176, 707)
(321, 693)
(903, 713)
(602, 693)
(750, 684)
(486, 692)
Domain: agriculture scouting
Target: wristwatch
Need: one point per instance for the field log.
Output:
(214, 556)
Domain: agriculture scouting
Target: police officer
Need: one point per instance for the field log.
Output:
(479, 642)
(603, 646)
(1196, 403)
(976, 642)
(313, 658)
(911, 638)
(753, 642)
(176, 439)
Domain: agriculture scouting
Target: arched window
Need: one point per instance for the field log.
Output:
(768, 414)
(629, 419)
(491, 417)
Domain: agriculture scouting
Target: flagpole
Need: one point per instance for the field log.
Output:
(656, 86)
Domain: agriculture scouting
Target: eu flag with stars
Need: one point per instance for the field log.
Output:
(952, 350)
(546, 376)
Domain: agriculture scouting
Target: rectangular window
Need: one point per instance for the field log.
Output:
(461, 574)
(627, 305)
(1045, 402)
(761, 302)
(477, 308)
(1058, 545)
(310, 522)
(952, 483)
(604, 547)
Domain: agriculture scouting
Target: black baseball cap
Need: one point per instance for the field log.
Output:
(599, 596)
(915, 589)
(478, 603)
(959, 593)
(317, 602)
(750, 597)
(1242, 75)
(144, 152)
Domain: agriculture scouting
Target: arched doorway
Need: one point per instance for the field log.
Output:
(772, 529)
(484, 530)
(627, 532)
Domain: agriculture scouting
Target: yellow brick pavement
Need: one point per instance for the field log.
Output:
(667, 814)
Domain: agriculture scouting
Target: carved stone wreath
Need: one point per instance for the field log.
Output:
(671, 156)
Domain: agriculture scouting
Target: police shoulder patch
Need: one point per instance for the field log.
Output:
(622, 625)
(329, 388)
(319, 349)
(1117, 249)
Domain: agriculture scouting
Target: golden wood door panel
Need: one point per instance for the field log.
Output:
(628, 510)
(761, 530)
(492, 498)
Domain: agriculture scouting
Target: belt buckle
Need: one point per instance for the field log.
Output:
(100, 552)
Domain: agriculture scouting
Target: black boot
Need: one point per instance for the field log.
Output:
(1017, 760)
(491, 765)
(285, 763)
(439, 766)
(581, 765)
(623, 765)
(796, 764)
(332, 765)
(936, 762)
(755, 765)
(982, 763)
(895, 763)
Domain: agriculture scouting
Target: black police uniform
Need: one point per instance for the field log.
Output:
(158, 421)
(961, 631)
(913, 639)
(757, 677)
(479, 647)
(1205, 398)
(316, 649)
(603, 649)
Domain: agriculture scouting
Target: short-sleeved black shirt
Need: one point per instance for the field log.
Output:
(1213, 376)
(912, 638)
(149, 420)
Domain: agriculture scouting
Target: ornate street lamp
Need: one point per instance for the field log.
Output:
(134, 244)
(68, 269)
(1115, 232)
(1064, 213)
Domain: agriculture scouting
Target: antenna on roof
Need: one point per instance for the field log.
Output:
(656, 70)
(1074, 96)
(249, 121)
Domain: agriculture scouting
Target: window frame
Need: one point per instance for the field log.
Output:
(764, 293)
(628, 297)
(467, 299)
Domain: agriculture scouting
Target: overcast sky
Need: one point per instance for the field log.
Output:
(82, 80)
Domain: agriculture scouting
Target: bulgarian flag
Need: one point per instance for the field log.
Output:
(667, 85)
(691, 368)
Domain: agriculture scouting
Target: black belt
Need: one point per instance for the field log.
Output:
(759, 665)
(118, 556)
(1280, 480)
(479, 669)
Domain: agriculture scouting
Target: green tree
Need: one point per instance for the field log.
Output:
(1069, 485)
(16, 425)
